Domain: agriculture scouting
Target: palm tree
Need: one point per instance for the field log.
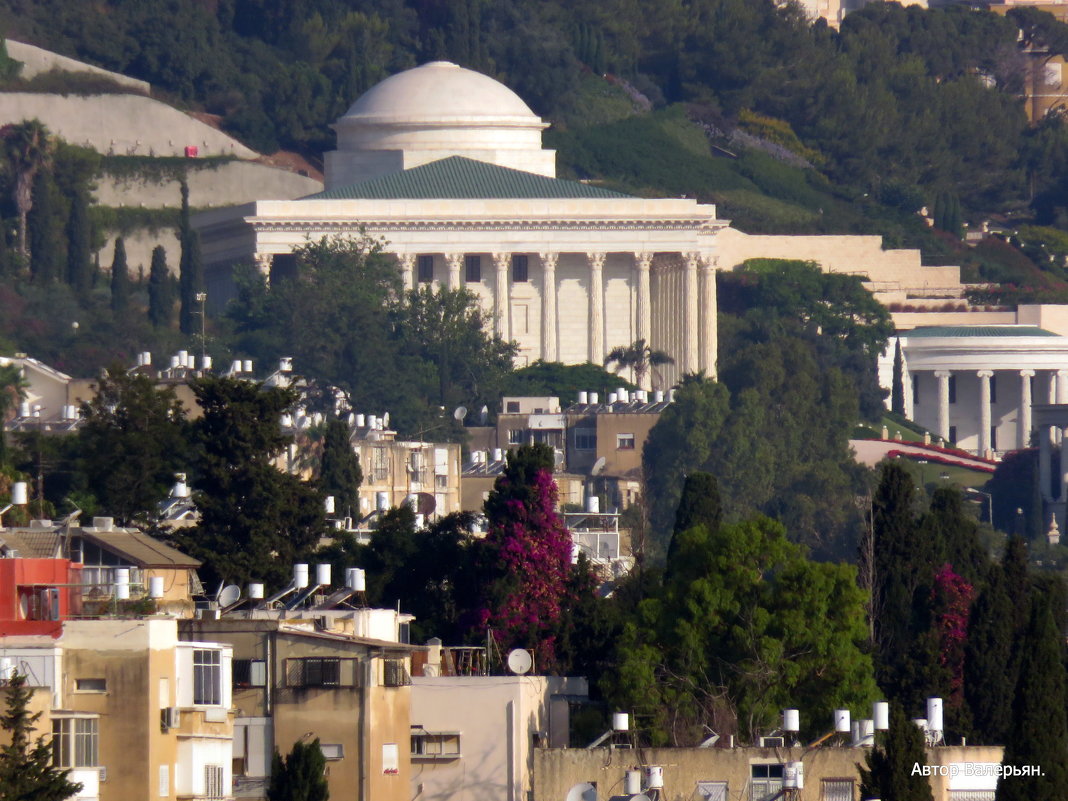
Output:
(28, 148)
(640, 358)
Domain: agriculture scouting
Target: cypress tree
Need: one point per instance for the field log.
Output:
(889, 773)
(954, 535)
(190, 270)
(160, 295)
(6, 264)
(340, 474)
(897, 392)
(41, 222)
(939, 215)
(1039, 735)
(301, 776)
(1017, 582)
(989, 663)
(120, 279)
(79, 247)
(699, 505)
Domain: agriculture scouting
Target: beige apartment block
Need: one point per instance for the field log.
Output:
(133, 712)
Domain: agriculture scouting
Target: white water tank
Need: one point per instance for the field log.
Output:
(880, 712)
(155, 587)
(593, 505)
(583, 397)
(328, 504)
(594, 398)
(361, 421)
(654, 777)
(19, 493)
(632, 782)
(255, 591)
(934, 715)
(841, 721)
(498, 455)
(791, 720)
(122, 584)
(381, 501)
(300, 575)
(322, 575)
(622, 395)
(356, 579)
(246, 366)
(620, 721)
(612, 398)
(793, 776)
(205, 362)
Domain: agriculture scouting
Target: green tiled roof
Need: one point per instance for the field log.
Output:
(459, 178)
(978, 331)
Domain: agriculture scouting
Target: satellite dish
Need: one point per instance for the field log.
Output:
(460, 413)
(598, 466)
(520, 661)
(230, 594)
(582, 792)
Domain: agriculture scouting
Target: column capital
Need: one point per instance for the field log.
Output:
(943, 373)
(1062, 374)
(1027, 373)
(596, 259)
(549, 260)
(407, 260)
(454, 259)
(501, 260)
(643, 260)
(985, 373)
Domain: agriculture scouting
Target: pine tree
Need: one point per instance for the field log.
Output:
(79, 246)
(41, 222)
(160, 295)
(26, 771)
(889, 774)
(120, 279)
(699, 505)
(340, 474)
(989, 665)
(301, 776)
(1039, 735)
(897, 393)
(190, 269)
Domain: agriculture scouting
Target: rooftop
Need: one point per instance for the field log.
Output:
(978, 331)
(459, 178)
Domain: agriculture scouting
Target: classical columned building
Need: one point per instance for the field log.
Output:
(445, 166)
(976, 386)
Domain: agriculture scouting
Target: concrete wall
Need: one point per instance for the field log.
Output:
(36, 60)
(227, 184)
(122, 125)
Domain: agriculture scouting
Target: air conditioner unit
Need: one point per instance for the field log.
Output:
(171, 717)
(772, 742)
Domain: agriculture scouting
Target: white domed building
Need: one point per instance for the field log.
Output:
(447, 166)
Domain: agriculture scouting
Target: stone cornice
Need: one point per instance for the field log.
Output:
(700, 225)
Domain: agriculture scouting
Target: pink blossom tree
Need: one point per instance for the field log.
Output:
(952, 597)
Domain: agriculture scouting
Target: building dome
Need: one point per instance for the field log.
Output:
(440, 92)
(432, 112)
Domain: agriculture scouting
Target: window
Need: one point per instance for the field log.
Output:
(207, 677)
(249, 673)
(836, 790)
(425, 269)
(585, 439)
(213, 782)
(515, 436)
(435, 744)
(713, 791)
(473, 269)
(314, 671)
(395, 674)
(520, 269)
(332, 751)
(379, 464)
(511, 407)
(952, 389)
(75, 742)
(417, 466)
(441, 482)
(766, 782)
(624, 442)
(91, 685)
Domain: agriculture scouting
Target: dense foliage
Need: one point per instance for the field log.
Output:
(26, 770)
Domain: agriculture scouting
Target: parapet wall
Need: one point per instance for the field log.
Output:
(36, 60)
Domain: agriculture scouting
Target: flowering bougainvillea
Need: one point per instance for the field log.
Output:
(528, 554)
(952, 598)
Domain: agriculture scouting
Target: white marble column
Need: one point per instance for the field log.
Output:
(1051, 397)
(984, 411)
(644, 312)
(264, 261)
(596, 317)
(456, 263)
(707, 316)
(502, 295)
(1023, 438)
(690, 329)
(549, 350)
(943, 403)
(407, 267)
(1045, 466)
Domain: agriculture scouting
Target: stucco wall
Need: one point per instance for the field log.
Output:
(36, 60)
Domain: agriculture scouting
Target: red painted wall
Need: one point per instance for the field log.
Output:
(23, 595)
